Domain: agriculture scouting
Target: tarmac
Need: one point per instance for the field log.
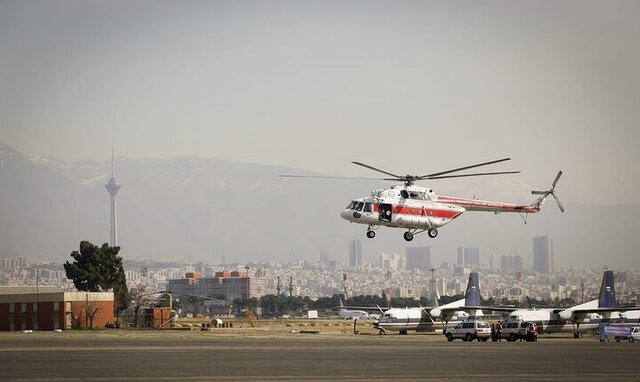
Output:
(305, 354)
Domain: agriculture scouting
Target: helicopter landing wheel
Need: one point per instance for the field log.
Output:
(371, 234)
(432, 233)
(408, 236)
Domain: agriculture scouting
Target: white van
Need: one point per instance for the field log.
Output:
(469, 331)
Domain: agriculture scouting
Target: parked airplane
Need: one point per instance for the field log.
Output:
(351, 314)
(587, 315)
(630, 316)
(423, 319)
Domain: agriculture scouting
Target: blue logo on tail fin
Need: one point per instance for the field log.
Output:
(607, 296)
(472, 295)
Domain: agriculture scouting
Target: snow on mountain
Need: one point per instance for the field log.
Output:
(189, 207)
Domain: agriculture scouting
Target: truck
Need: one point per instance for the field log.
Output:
(619, 332)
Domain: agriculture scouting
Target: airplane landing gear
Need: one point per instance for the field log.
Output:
(576, 332)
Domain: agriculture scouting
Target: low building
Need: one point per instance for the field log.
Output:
(225, 285)
(50, 308)
(157, 318)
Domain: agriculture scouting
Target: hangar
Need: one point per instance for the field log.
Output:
(51, 308)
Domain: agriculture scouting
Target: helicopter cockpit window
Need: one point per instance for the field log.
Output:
(368, 207)
(416, 195)
(359, 206)
(352, 205)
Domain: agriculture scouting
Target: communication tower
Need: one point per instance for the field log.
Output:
(113, 187)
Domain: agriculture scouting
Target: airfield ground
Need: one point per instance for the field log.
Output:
(273, 352)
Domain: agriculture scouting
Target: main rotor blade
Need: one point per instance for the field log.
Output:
(428, 176)
(467, 175)
(327, 177)
(539, 192)
(377, 169)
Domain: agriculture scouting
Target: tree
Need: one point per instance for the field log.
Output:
(98, 269)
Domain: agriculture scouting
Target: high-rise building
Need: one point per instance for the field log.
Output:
(418, 258)
(393, 261)
(518, 263)
(543, 254)
(510, 263)
(355, 253)
(506, 263)
(468, 256)
(113, 187)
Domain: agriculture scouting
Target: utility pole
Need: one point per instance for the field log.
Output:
(434, 292)
(344, 283)
(37, 298)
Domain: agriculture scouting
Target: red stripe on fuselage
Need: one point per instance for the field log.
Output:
(420, 211)
(487, 205)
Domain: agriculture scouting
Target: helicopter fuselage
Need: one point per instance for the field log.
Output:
(419, 209)
(403, 207)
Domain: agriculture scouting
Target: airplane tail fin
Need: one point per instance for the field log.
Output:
(472, 294)
(607, 296)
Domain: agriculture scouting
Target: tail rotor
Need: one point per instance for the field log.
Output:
(551, 192)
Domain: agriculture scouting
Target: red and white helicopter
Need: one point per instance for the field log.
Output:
(419, 209)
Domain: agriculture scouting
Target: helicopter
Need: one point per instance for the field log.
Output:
(419, 209)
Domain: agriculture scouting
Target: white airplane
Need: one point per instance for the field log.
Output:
(630, 316)
(351, 314)
(421, 319)
(587, 315)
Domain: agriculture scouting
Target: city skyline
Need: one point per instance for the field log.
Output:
(208, 103)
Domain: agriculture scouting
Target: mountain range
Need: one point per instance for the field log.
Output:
(193, 209)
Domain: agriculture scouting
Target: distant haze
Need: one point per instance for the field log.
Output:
(410, 87)
(193, 209)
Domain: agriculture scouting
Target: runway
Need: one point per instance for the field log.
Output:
(262, 355)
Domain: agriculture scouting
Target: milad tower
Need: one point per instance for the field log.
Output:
(113, 187)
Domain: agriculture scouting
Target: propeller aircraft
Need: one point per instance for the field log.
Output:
(419, 209)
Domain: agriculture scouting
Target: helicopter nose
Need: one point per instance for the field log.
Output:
(346, 214)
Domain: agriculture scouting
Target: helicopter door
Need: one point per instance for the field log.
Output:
(385, 212)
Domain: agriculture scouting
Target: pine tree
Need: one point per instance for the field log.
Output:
(99, 269)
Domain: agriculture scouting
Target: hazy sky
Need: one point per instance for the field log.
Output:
(407, 86)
